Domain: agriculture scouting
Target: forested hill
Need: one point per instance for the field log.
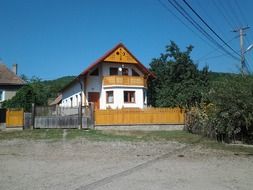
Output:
(54, 86)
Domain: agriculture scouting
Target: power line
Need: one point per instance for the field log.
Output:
(228, 21)
(188, 17)
(207, 54)
(204, 9)
(209, 27)
(164, 5)
(240, 11)
(228, 12)
(234, 11)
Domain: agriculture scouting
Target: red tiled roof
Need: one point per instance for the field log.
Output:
(7, 77)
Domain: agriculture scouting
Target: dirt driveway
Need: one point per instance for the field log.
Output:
(82, 164)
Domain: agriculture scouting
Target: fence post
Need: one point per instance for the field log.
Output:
(33, 115)
(80, 116)
(92, 116)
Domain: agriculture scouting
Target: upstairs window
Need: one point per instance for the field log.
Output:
(95, 72)
(134, 73)
(124, 71)
(109, 96)
(114, 71)
(1, 95)
(129, 96)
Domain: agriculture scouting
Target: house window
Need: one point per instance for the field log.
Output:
(144, 97)
(95, 72)
(124, 71)
(109, 96)
(71, 102)
(77, 102)
(134, 73)
(129, 96)
(1, 95)
(113, 71)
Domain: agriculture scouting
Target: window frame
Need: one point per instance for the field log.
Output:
(113, 68)
(107, 96)
(125, 71)
(129, 92)
(95, 72)
(2, 96)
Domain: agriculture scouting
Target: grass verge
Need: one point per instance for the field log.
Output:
(179, 136)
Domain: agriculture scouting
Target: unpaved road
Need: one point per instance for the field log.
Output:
(81, 165)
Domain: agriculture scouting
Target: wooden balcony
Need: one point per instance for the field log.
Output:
(124, 81)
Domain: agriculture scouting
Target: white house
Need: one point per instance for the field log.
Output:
(116, 80)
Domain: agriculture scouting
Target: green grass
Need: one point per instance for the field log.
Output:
(95, 135)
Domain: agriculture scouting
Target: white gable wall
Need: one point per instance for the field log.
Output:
(72, 93)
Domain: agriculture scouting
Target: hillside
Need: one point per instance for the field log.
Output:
(54, 86)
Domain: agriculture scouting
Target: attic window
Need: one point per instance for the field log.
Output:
(134, 73)
(94, 73)
(124, 71)
(1, 95)
(113, 71)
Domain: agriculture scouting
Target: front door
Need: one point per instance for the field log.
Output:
(94, 97)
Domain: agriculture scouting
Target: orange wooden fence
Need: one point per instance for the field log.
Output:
(139, 116)
(14, 118)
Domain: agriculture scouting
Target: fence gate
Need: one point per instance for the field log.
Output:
(61, 117)
(14, 118)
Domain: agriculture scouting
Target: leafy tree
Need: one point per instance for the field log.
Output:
(178, 81)
(34, 92)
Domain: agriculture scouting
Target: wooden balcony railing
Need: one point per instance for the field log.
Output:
(124, 80)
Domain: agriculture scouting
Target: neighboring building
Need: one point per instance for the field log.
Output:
(116, 80)
(9, 82)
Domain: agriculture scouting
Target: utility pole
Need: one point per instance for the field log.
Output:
(241, 33)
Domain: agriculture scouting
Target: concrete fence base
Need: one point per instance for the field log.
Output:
(141, 127)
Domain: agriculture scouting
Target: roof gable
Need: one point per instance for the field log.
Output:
(121, 55)
(113, 56)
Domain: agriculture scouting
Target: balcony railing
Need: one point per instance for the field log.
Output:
(124, 80)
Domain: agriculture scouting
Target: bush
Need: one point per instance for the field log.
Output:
(227, 110)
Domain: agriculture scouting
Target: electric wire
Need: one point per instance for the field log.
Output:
(177, 17)
(182, 11)
(188, 5)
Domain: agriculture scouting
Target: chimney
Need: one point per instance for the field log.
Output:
(15, 68)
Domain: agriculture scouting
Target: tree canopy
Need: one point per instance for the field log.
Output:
(178, 81)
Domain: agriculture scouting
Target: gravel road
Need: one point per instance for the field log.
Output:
(82, 165)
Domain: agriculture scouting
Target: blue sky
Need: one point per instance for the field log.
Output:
(54, 38)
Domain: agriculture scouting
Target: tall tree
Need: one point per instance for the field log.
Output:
(34, 92)
(178, 81)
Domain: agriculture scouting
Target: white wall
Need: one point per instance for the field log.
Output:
(118, 95)
(73, 92)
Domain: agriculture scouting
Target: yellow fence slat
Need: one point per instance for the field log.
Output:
(14, 118)
(139, 116)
